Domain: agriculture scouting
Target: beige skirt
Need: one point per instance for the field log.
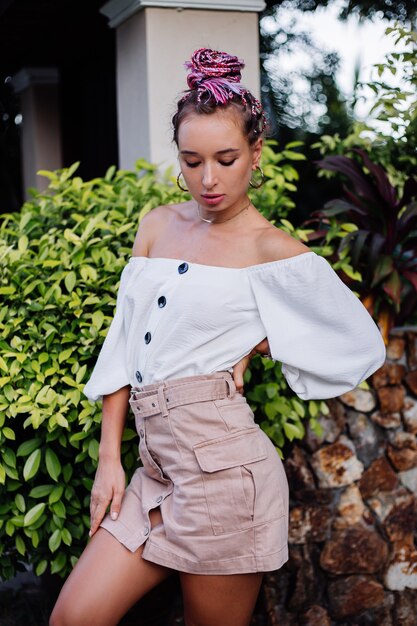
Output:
(217, 478)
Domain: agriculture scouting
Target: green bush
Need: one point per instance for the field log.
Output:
(60, 261)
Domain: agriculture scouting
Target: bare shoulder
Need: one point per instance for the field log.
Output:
(153, 223)
(274, 244)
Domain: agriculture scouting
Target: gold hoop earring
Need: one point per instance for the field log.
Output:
(179, 183)
(258, 184)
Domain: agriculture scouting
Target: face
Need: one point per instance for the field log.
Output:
(216, 159)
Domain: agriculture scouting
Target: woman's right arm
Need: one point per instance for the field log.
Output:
(109, 482)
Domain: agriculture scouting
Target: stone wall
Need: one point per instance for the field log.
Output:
(353, 558)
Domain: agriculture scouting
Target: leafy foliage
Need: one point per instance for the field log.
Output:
(383, 247)
(60, 261)
(390, 134)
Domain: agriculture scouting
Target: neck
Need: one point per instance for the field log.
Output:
(218, 218)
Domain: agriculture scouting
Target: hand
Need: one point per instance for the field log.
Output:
(109, 486)
(240, 368)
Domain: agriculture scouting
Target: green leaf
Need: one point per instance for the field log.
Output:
(2, 475)
(66, 536)
(8, 433)
(55, 540)
(20, 502)
(20, 545)
(58, 563)
(23, 243)
(56, 494)
(41, 491)
(31, 466)
(59, 509)
(53, 464)
(27, 447)
(34, 514)
(70, 280)
(293, 431)
(41, 567)
(93, 448)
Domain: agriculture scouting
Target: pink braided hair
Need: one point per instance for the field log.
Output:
(217, 74)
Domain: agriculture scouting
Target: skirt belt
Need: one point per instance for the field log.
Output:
(163, 397)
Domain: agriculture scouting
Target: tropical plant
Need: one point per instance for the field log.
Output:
(383, 246)
(60, 261)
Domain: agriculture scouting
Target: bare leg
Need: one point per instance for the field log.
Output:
(219, 600)
(107, 580)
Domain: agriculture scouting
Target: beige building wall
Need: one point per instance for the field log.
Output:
(172, 37)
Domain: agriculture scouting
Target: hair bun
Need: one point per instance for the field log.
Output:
(207, 64)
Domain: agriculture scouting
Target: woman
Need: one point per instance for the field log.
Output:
(210, 283)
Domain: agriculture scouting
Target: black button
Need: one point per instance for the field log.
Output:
(182, 268)
(162, 302)
(148, 337)
(138, 376)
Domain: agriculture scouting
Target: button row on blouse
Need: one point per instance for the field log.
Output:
(161, 303)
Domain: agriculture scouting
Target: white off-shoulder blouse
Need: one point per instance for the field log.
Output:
(176, 318)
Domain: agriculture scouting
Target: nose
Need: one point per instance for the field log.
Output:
(209, 179)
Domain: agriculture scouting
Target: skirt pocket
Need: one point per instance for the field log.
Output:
(227, 465)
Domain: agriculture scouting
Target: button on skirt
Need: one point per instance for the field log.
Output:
(216, 477)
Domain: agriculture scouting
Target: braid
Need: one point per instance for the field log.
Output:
(213, 81)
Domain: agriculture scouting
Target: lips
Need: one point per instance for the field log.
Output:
(213, 198)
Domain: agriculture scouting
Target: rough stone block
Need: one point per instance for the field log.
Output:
(410, 415)
(386, 420)
(401, 572)
(402, 451)
(352, 595)
(388, 374)
(359, 399)
(307, 584)
(366, 436)
(308, 523)
(350, 508)
(298, 473)
(405, 613)
(411, 381)
(315, 616)
(354, 550)
(395, 348)
(378, 477)
(336, 465)
(391, 399)
(401, 519)
(411, 338)
(409, 479)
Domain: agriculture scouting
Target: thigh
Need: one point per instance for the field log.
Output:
(219, 600)
(107, 580)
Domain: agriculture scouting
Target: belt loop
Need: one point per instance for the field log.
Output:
(161, 399)
(231, 386)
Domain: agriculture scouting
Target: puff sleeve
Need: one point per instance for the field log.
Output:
(316, 326)
(110, 371)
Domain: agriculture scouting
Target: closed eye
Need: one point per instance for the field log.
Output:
(227, 163)
(192, 164)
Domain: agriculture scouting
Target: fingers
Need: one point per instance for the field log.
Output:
(98, 508)
(116, 504)
(238, 371)
(97, 511)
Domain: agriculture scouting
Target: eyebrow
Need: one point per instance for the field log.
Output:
(190, 152)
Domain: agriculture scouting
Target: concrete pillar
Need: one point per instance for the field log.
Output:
(41, 124)
(154, 39)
